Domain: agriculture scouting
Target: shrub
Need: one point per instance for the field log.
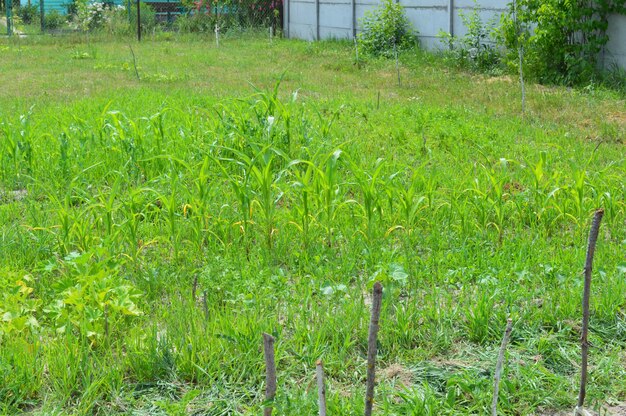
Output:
(116, 21)
(148, 17)
(54, 20)
(384, 29)
(561, 39)
(474, 50)
(90, 16)
(28, 13)
(195, 23)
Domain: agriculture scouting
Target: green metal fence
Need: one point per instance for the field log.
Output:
(182, 15)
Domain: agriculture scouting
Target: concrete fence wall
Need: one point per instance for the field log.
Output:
(339, 19)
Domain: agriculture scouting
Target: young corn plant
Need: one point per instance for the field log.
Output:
(304, 173)
(197, 209)
(267, 192)
(327, 189)
(410, 205)
(369, 184)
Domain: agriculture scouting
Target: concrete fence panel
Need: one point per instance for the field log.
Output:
(340, 19)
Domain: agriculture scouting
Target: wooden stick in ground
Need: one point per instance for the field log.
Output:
(377, 296)
(205, 306)
(270, 372)
(395, 52)
(134, 61)
(321, 387)
(499, 366)
(194, 288)
(591, 248)
(520, 50)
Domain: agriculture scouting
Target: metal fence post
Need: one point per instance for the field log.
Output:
(138, 22)
(42, 14)
(9, 7)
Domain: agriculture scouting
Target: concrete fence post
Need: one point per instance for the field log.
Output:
(286, 18)
(317, 19)
(9, 7)
(353, 18)
(451, 13)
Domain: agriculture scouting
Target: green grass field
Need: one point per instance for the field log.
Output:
(152, 229)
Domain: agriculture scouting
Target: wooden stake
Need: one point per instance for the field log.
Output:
(321, 387)
(194, 288)
(584, 343)
(270, 372)
(499, 365)
(377, 296)
(205, 305)
(520, 50)
(217, 36)
(106, 322)
(395, 51)
(134, 62)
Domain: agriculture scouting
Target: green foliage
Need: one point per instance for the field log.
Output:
(148, 17)
(615, 78)
(90, 296)
(195, 23)
(28, 13)
(474, 50)
(561, 38)
(17, 307)
(386, 29)
(117, 22)
(228, 15)
(54, 20)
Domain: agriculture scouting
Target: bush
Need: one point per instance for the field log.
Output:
(474, 50)
(384, 29)
(148, 17)
(28, 14)
(89, 16)
(116, 22)
(561, 39)
(195, 23)
(54, 20)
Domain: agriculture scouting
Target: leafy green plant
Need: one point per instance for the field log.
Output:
(147, 14)
(386, 30)
(17, 307)
(90, 296)
(54, 20)
(195, 23)
(475, 49)
(561, 39)
(29, 13)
